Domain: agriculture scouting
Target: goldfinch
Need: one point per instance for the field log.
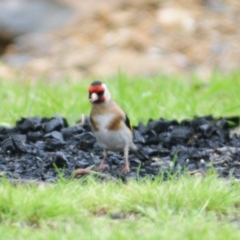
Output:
(110, 124)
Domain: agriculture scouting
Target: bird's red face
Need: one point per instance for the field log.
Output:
(97, 92)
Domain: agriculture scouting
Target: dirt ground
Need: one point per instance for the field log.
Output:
(138, 37)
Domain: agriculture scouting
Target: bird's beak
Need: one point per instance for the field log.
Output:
(93, 98)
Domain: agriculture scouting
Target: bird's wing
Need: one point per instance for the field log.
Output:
(127, 122)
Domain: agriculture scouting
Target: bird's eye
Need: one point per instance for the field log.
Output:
(100, 93)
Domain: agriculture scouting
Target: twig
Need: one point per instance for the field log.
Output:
(197, 171)
(87, 171)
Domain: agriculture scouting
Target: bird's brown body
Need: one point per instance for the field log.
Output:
(110, 124)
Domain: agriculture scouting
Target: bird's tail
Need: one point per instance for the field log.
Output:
(139, 154)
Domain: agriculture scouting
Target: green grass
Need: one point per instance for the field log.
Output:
(141, 98)
(187, 208)
(191, 208)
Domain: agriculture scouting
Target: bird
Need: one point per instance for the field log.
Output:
(111, 125)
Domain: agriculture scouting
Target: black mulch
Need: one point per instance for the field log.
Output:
(41, 148)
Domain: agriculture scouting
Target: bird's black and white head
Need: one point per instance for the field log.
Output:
(98, 93)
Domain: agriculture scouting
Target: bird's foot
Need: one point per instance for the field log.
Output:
(102, 166)
(126, 169)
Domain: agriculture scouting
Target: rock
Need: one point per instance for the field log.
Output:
(18, 17)
(175, 17)
(166, 148)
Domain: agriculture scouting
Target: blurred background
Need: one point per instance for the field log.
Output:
(81, 39)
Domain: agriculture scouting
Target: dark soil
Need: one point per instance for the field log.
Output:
(41, 149)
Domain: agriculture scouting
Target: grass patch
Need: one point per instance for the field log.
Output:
(141, 98)
(190, 208)
(187, 208)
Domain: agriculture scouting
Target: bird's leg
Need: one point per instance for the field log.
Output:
(126, 168)
(102, 165)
